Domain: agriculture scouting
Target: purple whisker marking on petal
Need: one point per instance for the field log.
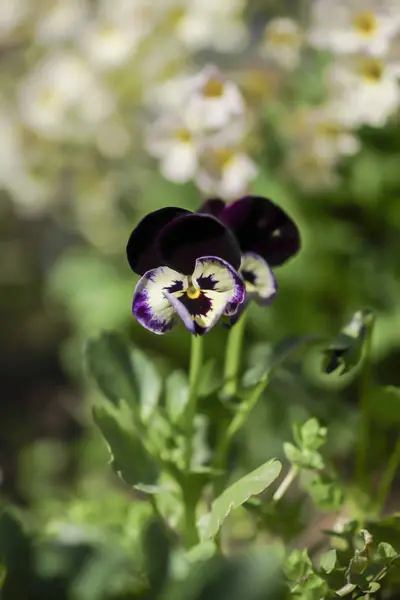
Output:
(177, 286)
(197, 307)
(142, 313)
(248, 276)
(206, 282)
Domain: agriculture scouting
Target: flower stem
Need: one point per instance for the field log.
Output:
(366, 378)
(235, 425)
(388, 476)
(233, 355)
(196, 359)
(286, 483)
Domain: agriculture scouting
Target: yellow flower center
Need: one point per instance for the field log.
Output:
(192, 292)
(281, 38)
(107, 31)
(223, 156)
(365, 23)
(329, 129)
(214, 88)
(48, 98)
(372, 70)
(183, 135)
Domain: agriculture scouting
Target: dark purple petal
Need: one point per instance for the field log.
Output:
(192, 236)
(213, 207)
(262, 227)
(141, 249)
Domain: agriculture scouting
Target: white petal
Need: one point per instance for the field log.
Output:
(150, 306)
(258, 276)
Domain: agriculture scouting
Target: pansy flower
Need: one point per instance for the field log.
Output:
(267, 237)
(188, 263)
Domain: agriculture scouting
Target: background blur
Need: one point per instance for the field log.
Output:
(297, 101)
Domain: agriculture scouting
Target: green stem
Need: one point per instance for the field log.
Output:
(236, 424)
(196, 359)
(233, 356)
(388, 476)
(286, 483)
(364, 435)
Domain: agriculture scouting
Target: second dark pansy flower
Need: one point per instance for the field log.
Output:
(267, 237)
(188, 265)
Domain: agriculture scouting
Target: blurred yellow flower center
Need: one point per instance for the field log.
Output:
(365, 23)
(48, 98)
(183, 135)
(372, 70)
(214, 88)
(329, 129)
(192, 292)
(223, 156)
(107, 31)
(280, 38)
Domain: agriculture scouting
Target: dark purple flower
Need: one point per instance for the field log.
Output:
(259, 225)
(267, 237)
(188, 265)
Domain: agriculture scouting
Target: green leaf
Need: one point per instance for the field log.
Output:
(234, 496)
(176, 395)
(386, 551)
(312, 434)
(306, 459)
(148, 381)
(298, 564)
(325, 491)
(108, 361)
(383, 405)
(327, 561)
(130, 459)
(156, 547)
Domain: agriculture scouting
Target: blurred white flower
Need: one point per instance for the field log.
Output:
(309, 170)
(60, 92)
(217, 25)
(110, 40)
(112, 139)
(61, 21)
(346, 26)
(12, 13)
(366, 88)
(225, 172)
(282, 42)
(170, 140)
(211, 101)
(324, 132)
(28, 193)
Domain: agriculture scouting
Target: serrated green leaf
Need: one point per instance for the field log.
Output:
(298, 564)
(148, 381)
(130, 459)
(176, 395)
(312, 434)
(327, 561)
(325, 492)
(109, 363)
(234, 496)
(306, 459)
